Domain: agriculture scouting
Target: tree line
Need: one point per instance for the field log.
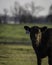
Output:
(25, 14)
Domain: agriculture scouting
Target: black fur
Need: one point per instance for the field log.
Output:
(45, 45)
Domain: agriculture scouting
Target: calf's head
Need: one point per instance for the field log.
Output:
(35, 33)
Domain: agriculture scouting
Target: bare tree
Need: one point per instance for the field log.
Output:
(50, 10)
(26, 12)
(34, 10)
(15, 11)
(49, 17)
(5, 15)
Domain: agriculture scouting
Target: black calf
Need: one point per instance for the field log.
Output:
(42, 42)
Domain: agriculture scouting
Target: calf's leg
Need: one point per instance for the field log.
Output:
(50, 56)
(38, 61)
(50, 60)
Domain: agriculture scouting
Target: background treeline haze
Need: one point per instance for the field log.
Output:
(25, 14)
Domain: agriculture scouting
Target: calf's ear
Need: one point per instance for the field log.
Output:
(44, 29)
(27, 28)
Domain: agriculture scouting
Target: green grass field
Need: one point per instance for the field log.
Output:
(16, 32)
(18, 55)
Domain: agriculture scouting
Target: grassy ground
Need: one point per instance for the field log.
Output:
(18, 55)
(16, 31)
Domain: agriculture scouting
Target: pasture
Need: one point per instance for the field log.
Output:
(16, 32)
(17, 54)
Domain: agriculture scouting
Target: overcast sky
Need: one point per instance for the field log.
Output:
(8, 3)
